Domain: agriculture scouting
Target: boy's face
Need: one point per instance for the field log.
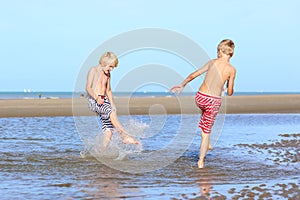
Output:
(109, 66)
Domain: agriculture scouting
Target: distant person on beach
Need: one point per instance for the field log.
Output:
(218, 72)
(100, 98)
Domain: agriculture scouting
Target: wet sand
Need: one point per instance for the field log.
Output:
(282, 152)
(146, 105)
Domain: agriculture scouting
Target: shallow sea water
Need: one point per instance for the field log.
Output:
(40, 159)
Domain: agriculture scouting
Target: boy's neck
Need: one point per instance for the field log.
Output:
(99, 67)
(224, 58)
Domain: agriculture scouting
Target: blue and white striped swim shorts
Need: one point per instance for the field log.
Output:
(103, 110)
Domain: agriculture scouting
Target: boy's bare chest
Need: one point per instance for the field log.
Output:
(100, 79)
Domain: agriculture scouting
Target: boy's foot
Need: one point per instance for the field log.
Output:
(200, 164)
(210, 147)
(130, 140)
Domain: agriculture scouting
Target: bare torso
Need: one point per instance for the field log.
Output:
(97, 81)
(218, 73)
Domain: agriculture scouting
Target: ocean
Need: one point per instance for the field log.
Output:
(255, 156)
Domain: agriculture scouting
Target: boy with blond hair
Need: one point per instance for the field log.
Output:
(208, 99)
(100, 97)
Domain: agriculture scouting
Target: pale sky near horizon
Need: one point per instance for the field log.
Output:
(44, 44)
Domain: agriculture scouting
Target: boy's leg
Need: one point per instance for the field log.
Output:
(107, 138)
(203, 149)
(116, 123)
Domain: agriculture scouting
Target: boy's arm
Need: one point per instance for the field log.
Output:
(191, 77)
(89, 84)
(230, 83)
(109, 94)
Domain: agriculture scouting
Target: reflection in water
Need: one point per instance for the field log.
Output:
(103, 184)
(205, 183)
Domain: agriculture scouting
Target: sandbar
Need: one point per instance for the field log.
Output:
(149, 105)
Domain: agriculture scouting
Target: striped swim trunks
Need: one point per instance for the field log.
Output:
(210, 107)
(103, 110)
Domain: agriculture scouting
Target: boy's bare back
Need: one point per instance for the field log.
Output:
(218, 72)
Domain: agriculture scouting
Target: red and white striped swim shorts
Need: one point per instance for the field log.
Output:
(210, 107)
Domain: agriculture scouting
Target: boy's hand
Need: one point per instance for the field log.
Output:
(100, 100)
(177, 89)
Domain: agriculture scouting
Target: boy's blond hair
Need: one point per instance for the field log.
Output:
(108, 57)
(227, 47)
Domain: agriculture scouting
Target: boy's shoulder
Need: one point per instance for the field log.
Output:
(212, 62)
(93, 68)
(230, 65)
(231, 69)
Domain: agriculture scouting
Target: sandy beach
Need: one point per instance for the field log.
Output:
(146, 105)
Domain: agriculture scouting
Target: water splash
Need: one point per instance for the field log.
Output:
(99, 147)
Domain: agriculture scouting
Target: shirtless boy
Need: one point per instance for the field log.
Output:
(100, 97)
(208, 99)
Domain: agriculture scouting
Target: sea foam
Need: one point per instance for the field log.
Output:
(115, 149)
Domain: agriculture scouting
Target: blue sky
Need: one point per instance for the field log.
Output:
(44, 44)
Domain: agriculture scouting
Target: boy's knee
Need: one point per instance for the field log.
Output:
(205, 135)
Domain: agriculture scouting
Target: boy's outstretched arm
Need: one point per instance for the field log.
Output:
(192, 76)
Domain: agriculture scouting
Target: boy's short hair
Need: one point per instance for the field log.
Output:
(108, 57)
(227, 47)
